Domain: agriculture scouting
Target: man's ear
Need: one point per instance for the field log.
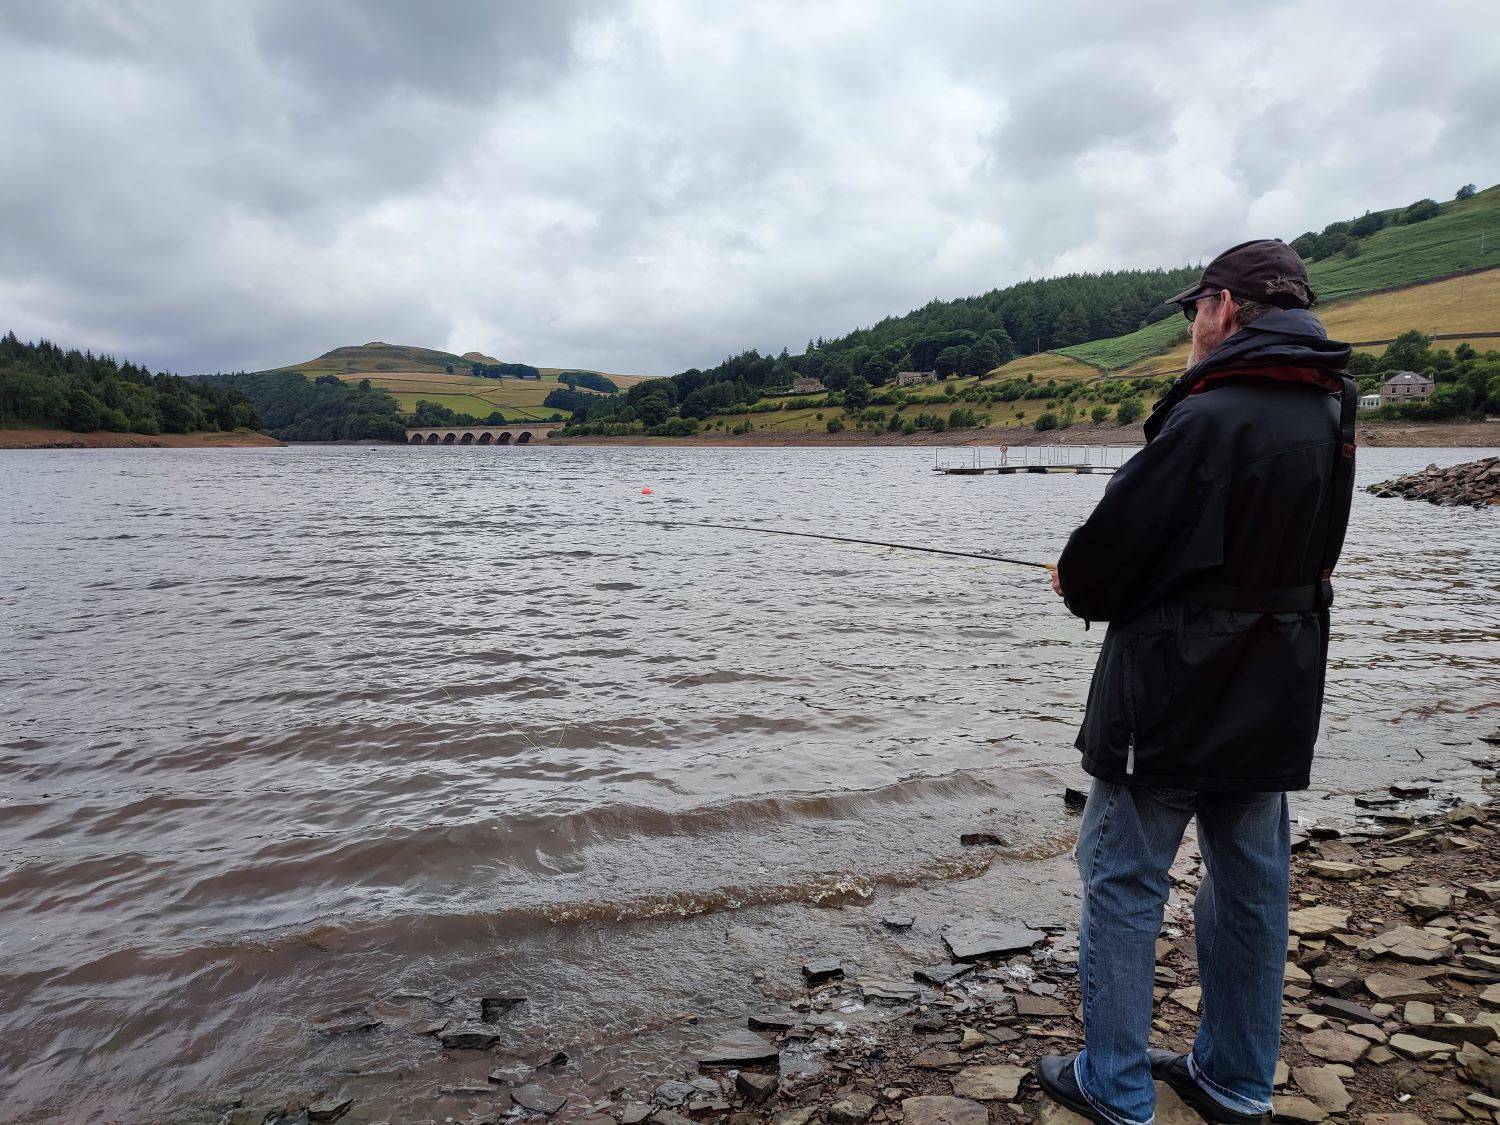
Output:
(1228, 311)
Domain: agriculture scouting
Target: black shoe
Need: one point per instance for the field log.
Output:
(1171, 1068)
(1054, 1073)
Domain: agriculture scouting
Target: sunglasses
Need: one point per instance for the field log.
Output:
(1190, 308)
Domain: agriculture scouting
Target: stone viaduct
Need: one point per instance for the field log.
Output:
(519, 433)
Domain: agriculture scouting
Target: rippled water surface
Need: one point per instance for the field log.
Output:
(287, 729)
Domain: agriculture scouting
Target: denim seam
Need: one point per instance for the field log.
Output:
(1089, 986)
(1102, 1110)
(1227, 1098)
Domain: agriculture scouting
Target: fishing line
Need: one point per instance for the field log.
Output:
(842, 539)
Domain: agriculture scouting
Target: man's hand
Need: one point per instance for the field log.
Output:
(1056, 582)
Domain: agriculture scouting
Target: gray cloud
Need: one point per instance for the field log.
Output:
(649, 186)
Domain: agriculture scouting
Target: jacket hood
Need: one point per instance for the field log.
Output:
(1284, 338)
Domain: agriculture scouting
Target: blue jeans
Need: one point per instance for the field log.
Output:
(1125, 849)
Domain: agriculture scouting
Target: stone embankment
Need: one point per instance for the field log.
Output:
(1392, 1008)
(1473, 483)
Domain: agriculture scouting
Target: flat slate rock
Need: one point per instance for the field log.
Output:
(1455, 1033)
(1394, 989)
(890, 991)
(1316, 921)
(989, 1083)
(939, 975)
(673, 1092)
(971, 941)
(1335, 1046)
(937, 1110)
(1324, 1086)
(825, 968)
(739, 1048)
(755, 1087)
(898, 921)
(537, 1099)
(768, 1020)
(1408, 943)
(1346, 1010)
(1028, 1005)
(1416, 1047)
(1290, 1107)
(851, 1109)
(468, 1036)
(1341, 980)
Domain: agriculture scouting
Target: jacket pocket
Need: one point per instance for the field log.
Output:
(1149, 686)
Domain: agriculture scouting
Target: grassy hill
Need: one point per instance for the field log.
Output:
(410, 373)
(1465, 235)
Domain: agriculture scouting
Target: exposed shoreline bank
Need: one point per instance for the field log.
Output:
(1384, 434)
(1414, 435)
(103, 439)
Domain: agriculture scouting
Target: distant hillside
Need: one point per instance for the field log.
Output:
(1463, 236)
(1425, 266)
(413, 374)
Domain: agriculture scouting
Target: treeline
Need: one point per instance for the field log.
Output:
(43, 384)
(968, 336)
(294, 408)
(590, 379)
(1467, 382)
(503, 371)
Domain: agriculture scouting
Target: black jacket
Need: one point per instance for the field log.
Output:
(1239, 487)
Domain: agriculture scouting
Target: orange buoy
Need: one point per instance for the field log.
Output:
(645, 492)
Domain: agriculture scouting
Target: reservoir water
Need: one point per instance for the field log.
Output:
(288, 730)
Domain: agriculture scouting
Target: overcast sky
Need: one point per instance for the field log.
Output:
(644, 187)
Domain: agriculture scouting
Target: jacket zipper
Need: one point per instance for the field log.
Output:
(1126, 663)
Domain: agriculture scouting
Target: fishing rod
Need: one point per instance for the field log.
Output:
(842, 539)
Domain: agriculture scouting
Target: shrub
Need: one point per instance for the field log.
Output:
(1045, 421)
(1129, 411)
(1420, 211)
(1098, 414)
(835, 425)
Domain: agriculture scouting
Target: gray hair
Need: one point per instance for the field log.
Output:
(1248, 312)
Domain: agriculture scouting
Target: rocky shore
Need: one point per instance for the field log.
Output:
(1392, 1013)
(1473, 483)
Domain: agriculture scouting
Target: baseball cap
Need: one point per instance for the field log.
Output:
(1265, 270)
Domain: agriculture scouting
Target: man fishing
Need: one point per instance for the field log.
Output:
(1209, 554)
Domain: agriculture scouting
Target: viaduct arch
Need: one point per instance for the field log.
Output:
(519, 433)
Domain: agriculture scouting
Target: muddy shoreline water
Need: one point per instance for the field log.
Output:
(1391, 1017)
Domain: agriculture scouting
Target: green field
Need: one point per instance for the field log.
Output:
(1464, 236)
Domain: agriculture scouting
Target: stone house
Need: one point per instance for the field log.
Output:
(907, 378)
(1405, 386)
(805, 386)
